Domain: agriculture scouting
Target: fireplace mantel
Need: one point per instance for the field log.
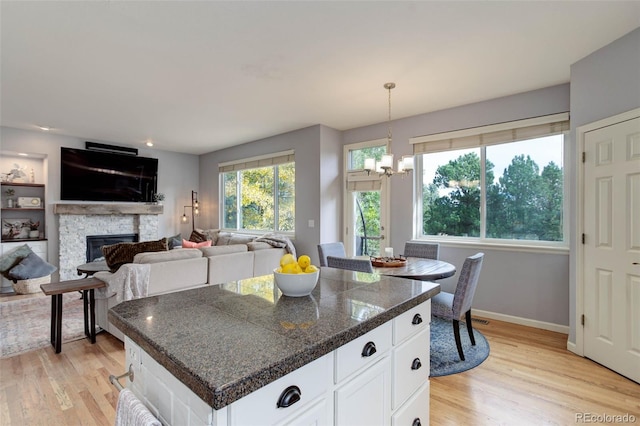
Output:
(98, 209)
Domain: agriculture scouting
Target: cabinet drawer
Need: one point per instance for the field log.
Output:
(415, 411)
(410, 367)
(411, 322)
(350, 357)
(260, 407)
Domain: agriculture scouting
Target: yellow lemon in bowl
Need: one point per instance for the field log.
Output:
(287, 259)
(304, 261)
(310, 269)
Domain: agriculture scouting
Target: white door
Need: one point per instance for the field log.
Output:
(366, 217)
(366, 203)
(611, 264)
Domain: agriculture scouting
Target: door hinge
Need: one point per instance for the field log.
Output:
(584, 156)
(582, 319)
(584, 238)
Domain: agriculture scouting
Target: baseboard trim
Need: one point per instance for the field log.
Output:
(522, 321)
(571, 347)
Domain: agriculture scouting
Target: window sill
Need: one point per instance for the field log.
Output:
(501, 246)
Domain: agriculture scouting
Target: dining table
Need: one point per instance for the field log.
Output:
(418, 268)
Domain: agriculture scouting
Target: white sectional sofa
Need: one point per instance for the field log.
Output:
(186, 268)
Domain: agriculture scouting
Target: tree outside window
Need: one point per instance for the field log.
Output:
(260, 199)
(521, 189)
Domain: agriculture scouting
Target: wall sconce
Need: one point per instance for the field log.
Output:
(385, 165)
(195, 211)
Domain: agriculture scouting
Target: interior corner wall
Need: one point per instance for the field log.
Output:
(331, 184)
(306, 144)
(603, 84)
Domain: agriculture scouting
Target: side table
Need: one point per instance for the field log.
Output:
(91, 268)
(56, 290)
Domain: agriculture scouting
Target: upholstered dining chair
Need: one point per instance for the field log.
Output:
(455, 306)
(330, 249)
(424, 250)
(359, 265)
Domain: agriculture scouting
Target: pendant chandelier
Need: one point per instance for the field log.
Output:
(385, 165)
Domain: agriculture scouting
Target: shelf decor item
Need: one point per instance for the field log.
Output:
(10, 193)
(14, 229)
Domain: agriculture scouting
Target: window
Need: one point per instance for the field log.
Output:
(259, 197)
(501, 184)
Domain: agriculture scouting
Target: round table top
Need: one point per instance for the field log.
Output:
(91, 268)
(419, 268)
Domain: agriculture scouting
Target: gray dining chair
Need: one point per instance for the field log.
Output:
(330, 249)
(359, 265)
(424, 250)
(454, 306)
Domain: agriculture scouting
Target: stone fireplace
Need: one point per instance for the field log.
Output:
(78, 221)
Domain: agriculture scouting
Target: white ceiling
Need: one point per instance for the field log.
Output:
(199, 76)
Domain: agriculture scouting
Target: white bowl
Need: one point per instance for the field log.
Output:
(296, 285)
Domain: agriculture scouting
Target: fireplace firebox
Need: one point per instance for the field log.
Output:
(95, 243)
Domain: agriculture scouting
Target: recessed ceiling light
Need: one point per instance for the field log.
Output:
(23, 154)
(149, 143)
(44, 128)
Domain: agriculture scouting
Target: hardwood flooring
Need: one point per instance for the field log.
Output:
(528, 379)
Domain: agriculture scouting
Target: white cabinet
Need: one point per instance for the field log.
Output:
(365, 399)
(284, 397)
(372, 380)
(38, 247)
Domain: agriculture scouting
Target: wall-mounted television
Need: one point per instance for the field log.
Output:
(88, 175)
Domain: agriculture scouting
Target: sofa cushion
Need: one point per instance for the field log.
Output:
(167, 256)
(32, 266)
(228, 238)
(118, 254)
(258, 245)
(11, 258)
(218, 250)
(191, 244)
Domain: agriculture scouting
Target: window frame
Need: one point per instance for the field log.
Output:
(482, 241)
(274, 161)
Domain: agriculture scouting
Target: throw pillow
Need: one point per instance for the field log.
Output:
(197, 237)
(12, 258)
(210, 234)
(191, 244)
(174, 242)
(118, 254)
(224, 238)
(30, 267)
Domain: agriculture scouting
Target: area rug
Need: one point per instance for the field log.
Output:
(25, 324)
(444, 354)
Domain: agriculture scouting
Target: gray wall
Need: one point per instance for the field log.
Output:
(603, 84)
(524, 284)
(313, 182)
(177, 174)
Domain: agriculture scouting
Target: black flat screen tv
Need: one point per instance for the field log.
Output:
(103, 176)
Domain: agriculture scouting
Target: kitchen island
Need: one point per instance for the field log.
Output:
(354, 352)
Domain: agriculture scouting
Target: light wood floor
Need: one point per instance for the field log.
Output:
(529, 379)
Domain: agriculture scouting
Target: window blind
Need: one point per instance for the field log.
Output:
(357, 181)
(492, 135)
(256, 162)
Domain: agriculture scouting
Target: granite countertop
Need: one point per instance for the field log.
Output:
(226, 341)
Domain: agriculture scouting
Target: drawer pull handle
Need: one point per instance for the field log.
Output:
(369, 349)
(289, 396)
(416, 422)
(417, 319)
(416, 364)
